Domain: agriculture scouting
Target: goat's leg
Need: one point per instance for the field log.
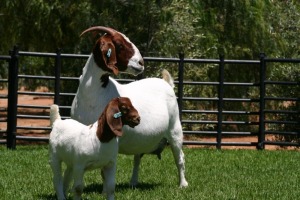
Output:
(78, 182)
(57, 178)
(179, 160)
(135, 170)
(175, 140)
(109, 182)
(67, 179)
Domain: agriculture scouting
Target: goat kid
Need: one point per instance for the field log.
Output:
(154, 98)
(84, 148)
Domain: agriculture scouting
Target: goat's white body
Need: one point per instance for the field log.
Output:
(152, 111)
(74, 143)
(156, 103)
(79, 148)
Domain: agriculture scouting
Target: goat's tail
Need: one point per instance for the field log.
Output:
(167, 77)
(54, 114)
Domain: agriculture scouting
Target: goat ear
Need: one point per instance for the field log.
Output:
(105, 55)
(114, 121)
(108, 53)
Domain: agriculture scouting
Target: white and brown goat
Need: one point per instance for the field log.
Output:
(83, 147)
(154, 98)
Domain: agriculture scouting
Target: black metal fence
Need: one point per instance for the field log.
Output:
(194, 136)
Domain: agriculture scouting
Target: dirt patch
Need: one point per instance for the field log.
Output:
(247, 139)
(27, 100)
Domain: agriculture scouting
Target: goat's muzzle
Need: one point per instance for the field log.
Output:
(133, 121)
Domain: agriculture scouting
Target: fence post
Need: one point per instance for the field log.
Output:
(180, 83)
(220, 102)
(57, 76)
(262, 92)
(12, 98)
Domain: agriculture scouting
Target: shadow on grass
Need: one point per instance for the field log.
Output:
(97, 188)
(47, 196)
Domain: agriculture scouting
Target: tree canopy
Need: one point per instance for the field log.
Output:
(238, 29)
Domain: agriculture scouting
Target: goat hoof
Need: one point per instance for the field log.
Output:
(183, 184)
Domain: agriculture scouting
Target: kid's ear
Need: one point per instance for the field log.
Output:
(113, 118)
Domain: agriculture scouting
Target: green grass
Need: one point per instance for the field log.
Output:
(212, 174)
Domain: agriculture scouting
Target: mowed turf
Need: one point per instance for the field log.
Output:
(212, 174)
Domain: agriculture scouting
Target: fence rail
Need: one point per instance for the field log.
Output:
(10, 135)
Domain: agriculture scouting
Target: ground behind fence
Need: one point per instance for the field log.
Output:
(206, 120)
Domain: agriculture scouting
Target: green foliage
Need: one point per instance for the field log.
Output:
(212, 174)
(42, 25)
(284, 72)
(238, 29)
(294, 128)
(3, 73)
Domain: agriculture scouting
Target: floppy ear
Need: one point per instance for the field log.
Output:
(105, 55)
(113, 118)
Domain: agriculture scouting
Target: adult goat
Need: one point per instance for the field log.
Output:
(154, 99)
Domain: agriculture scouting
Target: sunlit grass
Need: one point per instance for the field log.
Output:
(212, 174)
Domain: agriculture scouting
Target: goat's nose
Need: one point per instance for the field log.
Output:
(138, 119)
(141, 62)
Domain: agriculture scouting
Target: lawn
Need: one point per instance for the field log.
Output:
(212, 174)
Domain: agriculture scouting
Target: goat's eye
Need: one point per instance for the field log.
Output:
(124, 109)
(119, 47)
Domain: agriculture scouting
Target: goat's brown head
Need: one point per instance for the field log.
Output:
(114, 52)
(117, 113)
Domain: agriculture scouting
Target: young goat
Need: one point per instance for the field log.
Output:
(84, 147)
(154, 98)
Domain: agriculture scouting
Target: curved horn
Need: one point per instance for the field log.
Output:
(99, 28)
